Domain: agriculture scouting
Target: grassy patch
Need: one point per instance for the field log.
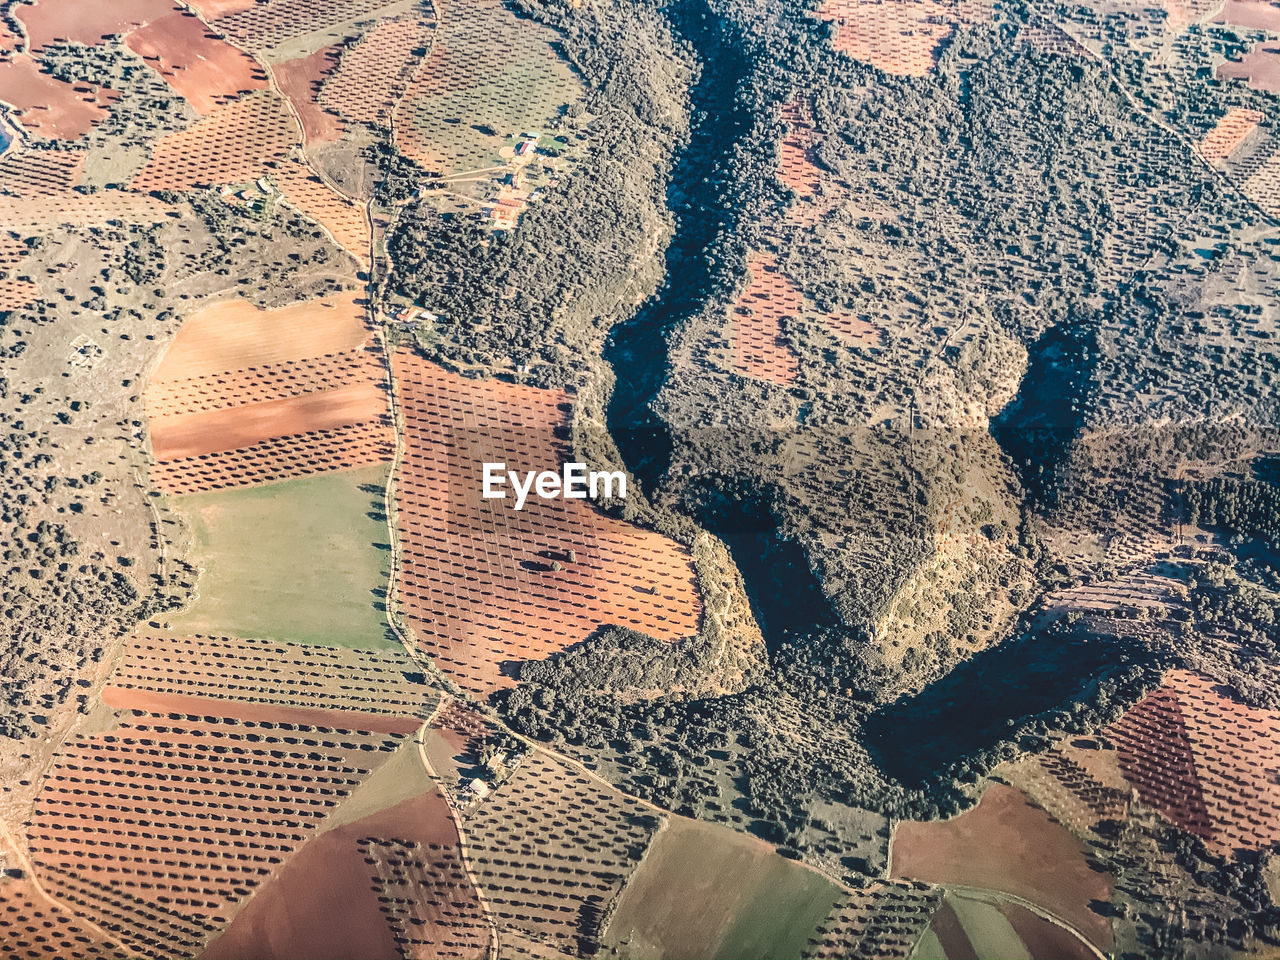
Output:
(303, 560)
(704, 891)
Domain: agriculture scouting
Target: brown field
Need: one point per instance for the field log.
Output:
(1220, 142)
(236, 401)
(1260, 68)
(236, 336)
(187, 435)
(1210, 765)
(796, 166)
(1042, 938)
(266, 381)
(40, 173)
(883, 921)
(345, 220)
(231, 145)
(151, 701)
(1254, 14)
(188, 815)
(203, 70)
(300, 80)
(394, 887)
(551, 848)
(457, 733)
(479, 585)
(755, 323)
(279, 675)
(47, 107)
(86, 21)
(348, 447)
(16, 294)
(896, 36)
(267, 24)
(1007, 845)
(374, 71)
(45, 214)
(31, 928)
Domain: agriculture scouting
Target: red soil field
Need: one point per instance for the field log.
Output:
(40, 173)
(196, 434)
(44, 214)
(796, 166)
(231, 145)
(235, 335)
(187, 815)
(1260, 68)
(150, 701)
(49, 108)
(1220, 142)
(1208, 764)
(293, 675)
(1042, 938)
(755, 327)
(86, 21)
(479, 585)
(394, 886)
(896, 36)
(300, 80)
(302, 455)
(268, 381)
(31, 928)
(306, 192)
(1254, 14)
(1007, 845)
(374, 71)
(203, 70)
(16, 294)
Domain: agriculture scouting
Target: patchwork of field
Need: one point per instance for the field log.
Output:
(1007, 845)
(681, 903)
(884, 920)
(395, 886)
(896, 36)
(1208, 764)
(485, 586)
(973, 925)
(39, 173)
(205, 71)
(246, 396)
(232, 145)
(489, 76)
(85, 21)
(551, 848)
(345, 221)
(375, 70)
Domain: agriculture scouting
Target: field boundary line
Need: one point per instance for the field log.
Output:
(1042, 912)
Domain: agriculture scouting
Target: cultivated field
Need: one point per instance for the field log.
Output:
(232, 145)
(885, 920)
(1208, 764)
(489, 76)
(394, 886)
(190, 815)
(255, 583)
(301, 80)
(85, 21)
(276, 676)
(374, 71)
(203, 70)
(32, 928)
(1007, 845)
(681, 903)
(551, 848)
(46, 106)
(896, 36)
(485, 586)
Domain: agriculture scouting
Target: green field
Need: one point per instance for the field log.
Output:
(704, 891)
(303, 560)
